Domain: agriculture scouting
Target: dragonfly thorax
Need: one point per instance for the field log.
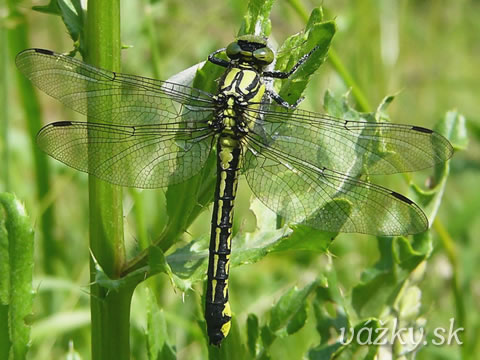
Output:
(240, 90)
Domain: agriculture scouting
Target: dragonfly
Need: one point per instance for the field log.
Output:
(305, 166)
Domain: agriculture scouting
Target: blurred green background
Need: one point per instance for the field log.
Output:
(426, 52)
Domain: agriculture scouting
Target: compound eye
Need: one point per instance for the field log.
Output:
(264, 55)
(233, 50)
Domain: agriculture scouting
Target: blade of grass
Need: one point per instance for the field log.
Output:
(337, 64)
(18, 41)
(110, 310)
(4, 112)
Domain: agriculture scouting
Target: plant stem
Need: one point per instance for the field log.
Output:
(18, 41)
(449, 246)
(4, 110)
(110, 310)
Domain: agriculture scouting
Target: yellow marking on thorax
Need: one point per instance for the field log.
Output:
(229, 78)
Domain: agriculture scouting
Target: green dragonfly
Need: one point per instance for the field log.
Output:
(305, 166)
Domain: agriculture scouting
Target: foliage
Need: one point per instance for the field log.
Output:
(293, 290)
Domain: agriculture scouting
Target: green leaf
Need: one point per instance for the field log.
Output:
(233, 347)
(324, 352)
(380, 284)
(361, 336)
(189, 262)
(288, 314)
(253, 331)
(268, 337)
(158, 264)
(453, 127)
(71, 12)
(72, 16)
(317, 38)
(257, 19)
(306, 238)
(16, 265)
(158, 346)
(316, 17)
(51, 8)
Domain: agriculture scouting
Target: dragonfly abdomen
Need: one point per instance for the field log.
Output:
(217, 308)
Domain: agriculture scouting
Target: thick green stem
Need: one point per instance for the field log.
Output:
(110, 310)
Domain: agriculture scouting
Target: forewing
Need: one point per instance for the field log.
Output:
(109, 96)
(351, 147)
(138, 156)
(326, 199)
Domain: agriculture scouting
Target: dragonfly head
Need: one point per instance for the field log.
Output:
(251, 49)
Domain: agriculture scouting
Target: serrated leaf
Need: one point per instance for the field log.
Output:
(318, 36)
(51, 8)
(72, 16)
(71, 12)
(158, 264)
(16, 259)
(129, 281)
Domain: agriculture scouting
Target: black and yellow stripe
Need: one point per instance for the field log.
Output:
(239, 85)
(241, 90)
(217, 309)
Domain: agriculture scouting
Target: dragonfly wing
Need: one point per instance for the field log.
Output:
(351, 147)
(139, 156)
(326, 199)
(109, 96)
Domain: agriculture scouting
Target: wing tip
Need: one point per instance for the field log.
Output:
(43, 51)
(422, 129)
(401, 197)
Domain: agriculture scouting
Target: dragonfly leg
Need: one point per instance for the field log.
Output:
(287, 74)
(217, 61)
(279, 100)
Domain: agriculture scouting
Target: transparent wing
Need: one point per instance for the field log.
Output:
(326, 199)
(351, 147)
(110, 96)
(144, 156)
